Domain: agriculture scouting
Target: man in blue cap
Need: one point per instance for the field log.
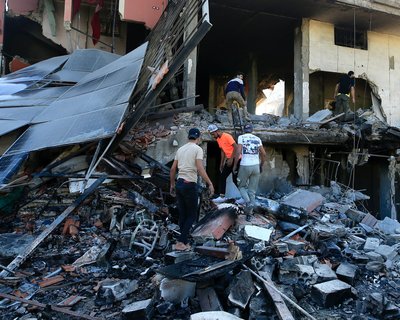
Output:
(189, 161)
(252, 159)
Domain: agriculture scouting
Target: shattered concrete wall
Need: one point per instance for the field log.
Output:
(72, 40)
(372, 64)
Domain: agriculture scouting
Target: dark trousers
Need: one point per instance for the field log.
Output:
(226, 171)
(342, 104)
(187, 197)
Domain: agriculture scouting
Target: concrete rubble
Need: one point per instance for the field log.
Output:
(307, 252)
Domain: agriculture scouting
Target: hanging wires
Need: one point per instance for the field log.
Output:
(353, 169)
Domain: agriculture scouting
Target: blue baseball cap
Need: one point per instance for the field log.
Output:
(248, 128)
(194, 133)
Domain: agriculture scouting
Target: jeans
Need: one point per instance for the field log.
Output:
(248, 182)
(187, 198)
(226, 171)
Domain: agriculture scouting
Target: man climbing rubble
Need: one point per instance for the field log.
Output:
(253, 156)
(228, 146)
(234, 91)
(189, 162)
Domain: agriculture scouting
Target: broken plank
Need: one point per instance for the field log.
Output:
(22, 257)
(50, 281)
(275, 290)
(280, 306)
(331, 119)
(43, 306)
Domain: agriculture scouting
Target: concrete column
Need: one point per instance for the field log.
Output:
(190, 69)
(301, 70)
(253, 83)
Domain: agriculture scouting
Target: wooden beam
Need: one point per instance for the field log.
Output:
(280, 305)
(282, 313)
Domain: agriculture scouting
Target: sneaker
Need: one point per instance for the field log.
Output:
(240, 201)
(219, 200)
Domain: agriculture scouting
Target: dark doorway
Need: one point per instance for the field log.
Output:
(322, 89)
(248, 39)
(24, 38)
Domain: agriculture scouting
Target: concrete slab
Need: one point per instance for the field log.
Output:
(388, 225)
(330, 293)
(303, 199)
(136, 310)
(257, 233)
(212, 315)
(319, 116)
(176, 290)
(388, 252)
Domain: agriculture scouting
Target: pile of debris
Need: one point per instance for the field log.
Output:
(107, 253)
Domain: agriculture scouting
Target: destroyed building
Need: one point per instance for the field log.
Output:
(88, 135)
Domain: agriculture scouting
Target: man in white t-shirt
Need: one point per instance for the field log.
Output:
(252, 159)
(189, 161)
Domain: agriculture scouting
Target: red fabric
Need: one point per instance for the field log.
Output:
(95, 23)
(76, 4)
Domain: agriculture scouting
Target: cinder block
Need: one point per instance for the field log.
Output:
(371, 244)
(324, 272)
(330, 293)
(347, 272)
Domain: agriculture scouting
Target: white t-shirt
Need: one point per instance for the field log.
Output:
(250, 149)
(187, 156)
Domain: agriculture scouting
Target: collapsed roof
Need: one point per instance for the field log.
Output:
(85, 96)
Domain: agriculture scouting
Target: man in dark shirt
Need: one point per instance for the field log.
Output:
(343, 91)
(234, 91)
